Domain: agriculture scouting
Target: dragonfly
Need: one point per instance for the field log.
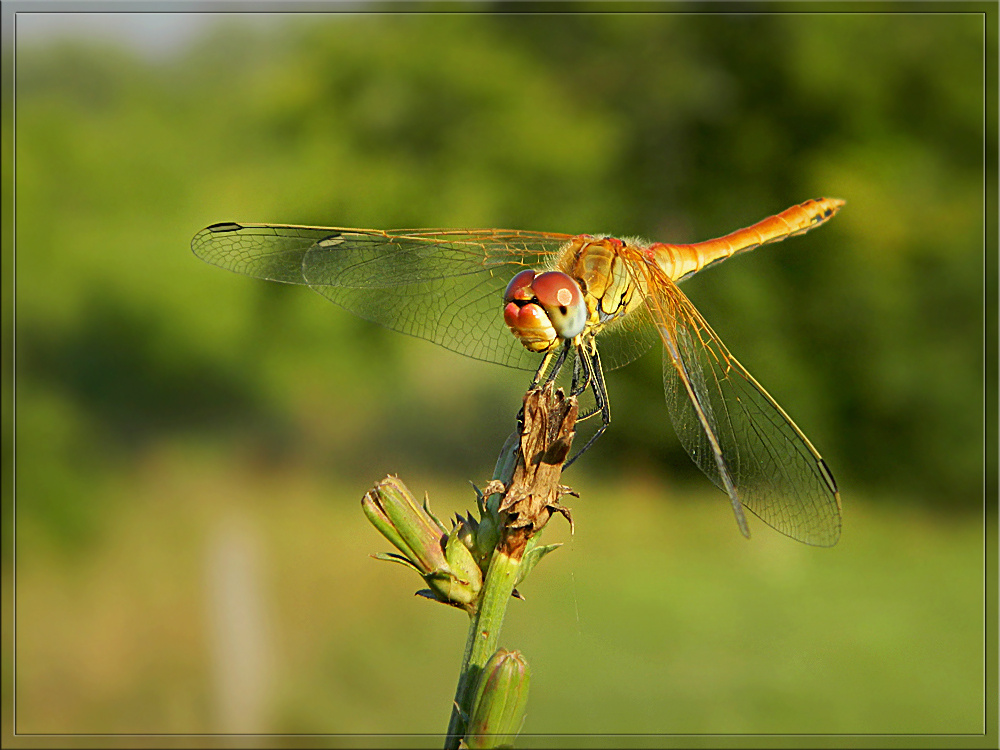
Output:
(510, 296)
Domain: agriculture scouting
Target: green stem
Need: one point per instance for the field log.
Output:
(484, 635)
(485, 624)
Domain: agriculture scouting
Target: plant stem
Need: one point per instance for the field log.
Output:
(484, 635)
(497, 588)
(529, 483)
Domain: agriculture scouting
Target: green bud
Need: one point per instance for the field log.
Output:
(489, 527)
(467, 530)
(444, 562)
(404, 522)
(464, 579)
(498, 709)
(488, 537)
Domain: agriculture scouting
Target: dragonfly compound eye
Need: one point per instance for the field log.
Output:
(561, 298)
(543, 309)
(519, 289)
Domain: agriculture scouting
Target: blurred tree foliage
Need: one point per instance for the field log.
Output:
(674, 127)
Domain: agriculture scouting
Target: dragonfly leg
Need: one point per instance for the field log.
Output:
(541, 369)
(556, 367)
(540, 372)
(582, 376)
(590, 367)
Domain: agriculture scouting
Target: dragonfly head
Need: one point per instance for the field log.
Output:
(543, 309)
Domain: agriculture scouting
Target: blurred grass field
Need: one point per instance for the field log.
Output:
(190, 446)
(655, 617)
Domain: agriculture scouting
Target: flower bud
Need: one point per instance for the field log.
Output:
(498, 708)
(444, 562)
(464, 579)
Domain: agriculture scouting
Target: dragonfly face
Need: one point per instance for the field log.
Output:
(570, 307)
(446, 285)
(543, 309)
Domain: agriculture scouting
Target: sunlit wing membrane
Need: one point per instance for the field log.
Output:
(627, 338)
(446, 285)
(734, 431)
(270, 252)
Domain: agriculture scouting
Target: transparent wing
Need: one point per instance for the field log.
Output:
(735, 432)
(445, 286)
(627, 338)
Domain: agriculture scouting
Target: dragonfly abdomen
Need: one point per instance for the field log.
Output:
(680, 261)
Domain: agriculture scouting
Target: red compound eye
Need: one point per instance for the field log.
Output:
(519, 288)
(550, 301)
(562, 300)
(556, 289)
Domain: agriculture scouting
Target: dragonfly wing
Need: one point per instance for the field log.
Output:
(270, 252)
(441, 285)
(445, 288)
(627, 338)
(735, 432)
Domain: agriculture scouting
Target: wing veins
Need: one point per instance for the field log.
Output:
(783, 483)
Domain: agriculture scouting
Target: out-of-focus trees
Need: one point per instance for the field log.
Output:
(675, 127)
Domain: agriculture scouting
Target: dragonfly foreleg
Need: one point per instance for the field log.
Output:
(590, 367)
(537, 381)
(556, 366)
(582, 375)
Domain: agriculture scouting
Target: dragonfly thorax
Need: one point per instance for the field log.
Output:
(598, 266)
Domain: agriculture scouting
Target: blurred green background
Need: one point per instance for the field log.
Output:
(191, 445)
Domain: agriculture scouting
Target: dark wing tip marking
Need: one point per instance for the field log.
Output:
(827, 475)
(224, 226)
